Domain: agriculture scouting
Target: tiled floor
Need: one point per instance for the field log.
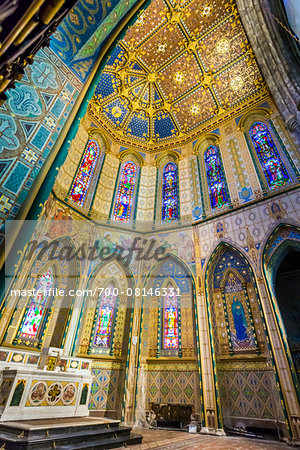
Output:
(175, 440)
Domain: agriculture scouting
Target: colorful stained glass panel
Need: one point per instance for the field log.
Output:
(170, 193)
(215, 178)
(125, 192)
(268, 155)
(84, 173)
(170, 312)
(105, 318)
(35, 312)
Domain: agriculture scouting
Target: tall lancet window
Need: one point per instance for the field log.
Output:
(124, 200)
(268, 155)
(215, 178)
(105, 317)
(84, 173)
(32, 322)
(170, 317)
(170, 193)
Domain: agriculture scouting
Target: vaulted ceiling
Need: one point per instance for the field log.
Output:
(179, 71)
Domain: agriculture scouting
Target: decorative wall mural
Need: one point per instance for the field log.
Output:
(268, 155)
(238, 314)
(79, 38)
(38, 393)
(233, 317)
(170, 193)
(30, 124)
(49, 393)
(125, 192)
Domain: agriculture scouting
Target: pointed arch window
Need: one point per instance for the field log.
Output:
(84, 173)
(170, 193)
(215, 178)
(33, 319)
(105, 317)
(171, 320)
(125, 194)
(268, 155)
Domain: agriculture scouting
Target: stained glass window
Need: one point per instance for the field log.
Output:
(84, 173)
(215, 178)
(125, 193)
(170, 314)
(170, 193)
(37, 306)
(105, 317)
(268, 155)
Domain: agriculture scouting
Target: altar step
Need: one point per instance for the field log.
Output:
(66, 434)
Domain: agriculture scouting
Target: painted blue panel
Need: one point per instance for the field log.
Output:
(107, 85)
(16, 178)
(138, 125)
(57, 108)
(163, 126)
(41, 137)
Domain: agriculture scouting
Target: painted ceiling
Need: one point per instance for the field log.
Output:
(78, 39)
(179, 71)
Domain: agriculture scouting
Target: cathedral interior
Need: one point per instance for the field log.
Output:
(150, 223)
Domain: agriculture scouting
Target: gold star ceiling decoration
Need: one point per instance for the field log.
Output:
(179, 71)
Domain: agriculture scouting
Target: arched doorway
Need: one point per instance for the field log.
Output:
(287, 289)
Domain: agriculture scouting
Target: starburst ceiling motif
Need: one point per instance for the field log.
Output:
(179, 71)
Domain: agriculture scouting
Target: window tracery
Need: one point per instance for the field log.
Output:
(170, 193)
(84, 173)
(268, 156)
(215, 178)
(125, 194)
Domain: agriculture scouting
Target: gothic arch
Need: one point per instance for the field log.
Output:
(177, 273)
(172, 272)
(109, 358)
(58, 309)
(282, 240)
(237, 331)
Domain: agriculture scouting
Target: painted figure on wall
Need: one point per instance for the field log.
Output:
(84, 173)
(171, 334)
(105, 317)
(215, 178)
(241, 334)
(35, 312)
(124, 201)
(170, 193)
(268, 155)
(239, 319)
(186, 248)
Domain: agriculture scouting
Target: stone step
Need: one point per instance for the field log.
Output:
(44, 432)
(106, 435)
(120, 442)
